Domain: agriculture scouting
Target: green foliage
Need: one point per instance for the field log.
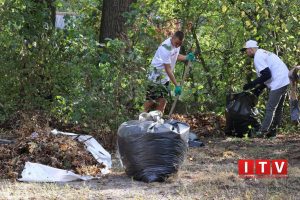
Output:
(65, 71)
(116, 85)
(69, 74)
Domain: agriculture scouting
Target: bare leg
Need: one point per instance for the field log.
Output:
(161, 104)
(148, 105)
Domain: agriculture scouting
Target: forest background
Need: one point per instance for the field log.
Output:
(92, 73)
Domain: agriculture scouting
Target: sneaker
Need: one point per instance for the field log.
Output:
(271, 134)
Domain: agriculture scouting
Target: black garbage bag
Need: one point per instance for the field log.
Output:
(151, 151)
(241, 114)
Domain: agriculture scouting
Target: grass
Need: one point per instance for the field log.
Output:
(208, 172)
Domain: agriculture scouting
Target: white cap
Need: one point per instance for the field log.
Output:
(250, 44)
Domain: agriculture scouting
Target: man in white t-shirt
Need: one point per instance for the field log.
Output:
(272, 73)
(163, 64)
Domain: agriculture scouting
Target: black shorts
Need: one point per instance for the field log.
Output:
(155, 91)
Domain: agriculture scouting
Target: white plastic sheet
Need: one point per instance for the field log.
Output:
(35, 172)
(155, 116)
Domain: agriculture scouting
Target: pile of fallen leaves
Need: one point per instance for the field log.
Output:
(23, 123)
(203, 124)
(53, 150)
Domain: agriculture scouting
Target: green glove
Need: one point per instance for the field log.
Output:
(177, 90)
(190, 57)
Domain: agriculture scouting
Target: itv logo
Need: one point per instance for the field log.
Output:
(263, 168)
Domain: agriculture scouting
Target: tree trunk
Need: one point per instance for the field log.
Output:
(51, 12)
(112, 20)
(205, 67)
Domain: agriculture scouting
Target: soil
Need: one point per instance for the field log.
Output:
(208, 172)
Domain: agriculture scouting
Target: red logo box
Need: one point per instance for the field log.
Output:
(246, 167)
(263, 168)
(279, 167)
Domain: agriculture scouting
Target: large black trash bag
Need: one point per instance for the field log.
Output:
(241, 114)
(149, 151)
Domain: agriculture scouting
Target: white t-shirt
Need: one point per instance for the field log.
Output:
(279, 71)
(165, 54)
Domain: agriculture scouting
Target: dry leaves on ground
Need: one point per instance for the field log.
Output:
(203, 124)
(56, 151)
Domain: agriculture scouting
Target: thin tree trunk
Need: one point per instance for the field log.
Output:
(205, 67)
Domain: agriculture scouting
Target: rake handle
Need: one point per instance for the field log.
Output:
(181, 84)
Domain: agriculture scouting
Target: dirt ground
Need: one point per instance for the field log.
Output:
(208, 172)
